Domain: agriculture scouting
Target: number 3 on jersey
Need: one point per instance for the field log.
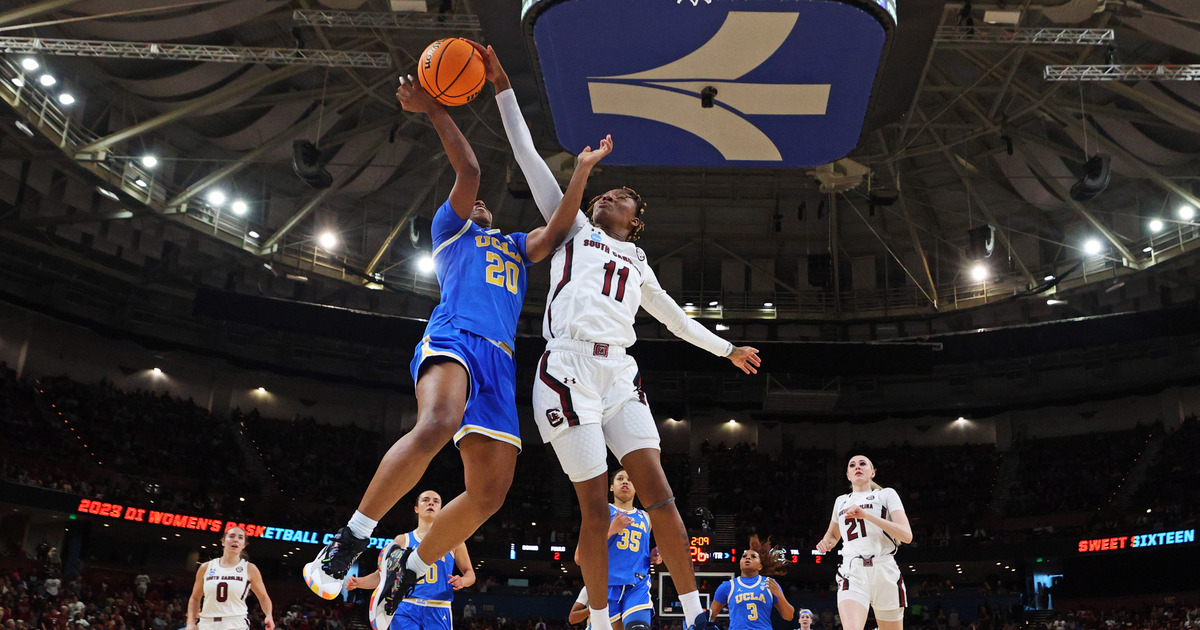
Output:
(504, 273)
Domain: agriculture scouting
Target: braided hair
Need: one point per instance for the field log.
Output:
(641, 209)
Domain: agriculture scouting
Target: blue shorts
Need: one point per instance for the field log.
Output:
(630, 603)
(492, 400)
(414, 617)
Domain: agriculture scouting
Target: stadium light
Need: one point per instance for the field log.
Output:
(1092, 247)
(1187, 213)
(239, 207)
(1156, 225)
(30, 64)
(327, 240)
(425, 264)
(979, 273)
(66, 98)
(215, 197)
(149, 161)
(47, 80)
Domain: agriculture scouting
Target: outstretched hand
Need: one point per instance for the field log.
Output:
(491, 67)
(589, 158)
(414, 98)
(746, 358)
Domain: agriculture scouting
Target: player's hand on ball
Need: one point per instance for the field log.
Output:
(492, 68)
(589, 158)
(456, 582)
(746, 358)
(414, 98)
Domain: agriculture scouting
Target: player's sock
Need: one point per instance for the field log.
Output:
(599, 617)
(362, 525)
(416, 564)
(691, 605)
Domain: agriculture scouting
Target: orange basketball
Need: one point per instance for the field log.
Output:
(452, 71)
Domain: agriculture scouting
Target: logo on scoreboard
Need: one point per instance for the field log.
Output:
(731, 83)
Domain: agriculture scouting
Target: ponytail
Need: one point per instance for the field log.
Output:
(875, 486)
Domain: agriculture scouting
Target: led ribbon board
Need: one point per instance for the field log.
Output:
(710, 82)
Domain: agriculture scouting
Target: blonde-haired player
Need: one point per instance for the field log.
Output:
(871, 522)
(223, 583)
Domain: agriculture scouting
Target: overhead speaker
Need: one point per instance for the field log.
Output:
(1096, 174)
(980, 242)
(306, 161)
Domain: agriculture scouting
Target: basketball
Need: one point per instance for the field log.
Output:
(452, 71)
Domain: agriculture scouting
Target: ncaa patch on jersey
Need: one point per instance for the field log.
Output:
(721, 83)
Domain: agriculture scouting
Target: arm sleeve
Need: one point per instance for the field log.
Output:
(660, 306)
(546, 193)
(583, 598)
(892, 501)
(722, 595)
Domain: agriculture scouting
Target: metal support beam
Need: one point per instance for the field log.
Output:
(207, 100)
(38, 8)
(912, 228)
(189, 52)
(272, 243)
(1188, 72)
(755, 267)
(1017, 35)
(410, 20)
(983, 207)
(1063, 193)
(834, 256)
(884, 241)
(413, 206)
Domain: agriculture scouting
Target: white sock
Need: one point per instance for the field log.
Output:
(599, 618)
(417, 565)
(362, 525)
(691, 606)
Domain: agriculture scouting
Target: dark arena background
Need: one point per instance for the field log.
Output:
(963, 236)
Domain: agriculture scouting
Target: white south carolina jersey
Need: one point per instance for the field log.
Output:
(225, 590)
(597, 284)
(859, 537)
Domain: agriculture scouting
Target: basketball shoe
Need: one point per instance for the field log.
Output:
(327, 573)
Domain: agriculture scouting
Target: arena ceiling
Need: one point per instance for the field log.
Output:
(964, 127)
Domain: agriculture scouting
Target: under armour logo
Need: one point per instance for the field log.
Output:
(569, 381)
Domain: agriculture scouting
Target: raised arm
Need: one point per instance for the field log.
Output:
(543, 241)
(660, 306)
(414, 98)
(785, 608)
(545, 189)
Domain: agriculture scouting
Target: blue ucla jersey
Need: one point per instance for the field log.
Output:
(434, 585)
(749, 602)
(629, 549)
(482, 275)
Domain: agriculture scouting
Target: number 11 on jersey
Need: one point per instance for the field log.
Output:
(610, 268)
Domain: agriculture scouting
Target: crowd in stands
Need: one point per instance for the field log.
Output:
(159, 449)
(1157, 616)
(1074, 473)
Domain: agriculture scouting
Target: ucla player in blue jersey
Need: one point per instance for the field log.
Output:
(463, 368)
(629, 557)
(751, 595)
(428, 606)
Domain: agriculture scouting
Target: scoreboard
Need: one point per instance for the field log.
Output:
(704, 552)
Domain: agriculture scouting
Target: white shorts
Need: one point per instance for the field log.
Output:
(577, 392)
(226, 623)
(880, 586)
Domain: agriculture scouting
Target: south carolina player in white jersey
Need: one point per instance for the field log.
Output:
(223, 583)
(871, 523)
(587, 391)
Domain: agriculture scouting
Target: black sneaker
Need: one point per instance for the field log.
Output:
(398, 580)
(702, 622)
(327, 573)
